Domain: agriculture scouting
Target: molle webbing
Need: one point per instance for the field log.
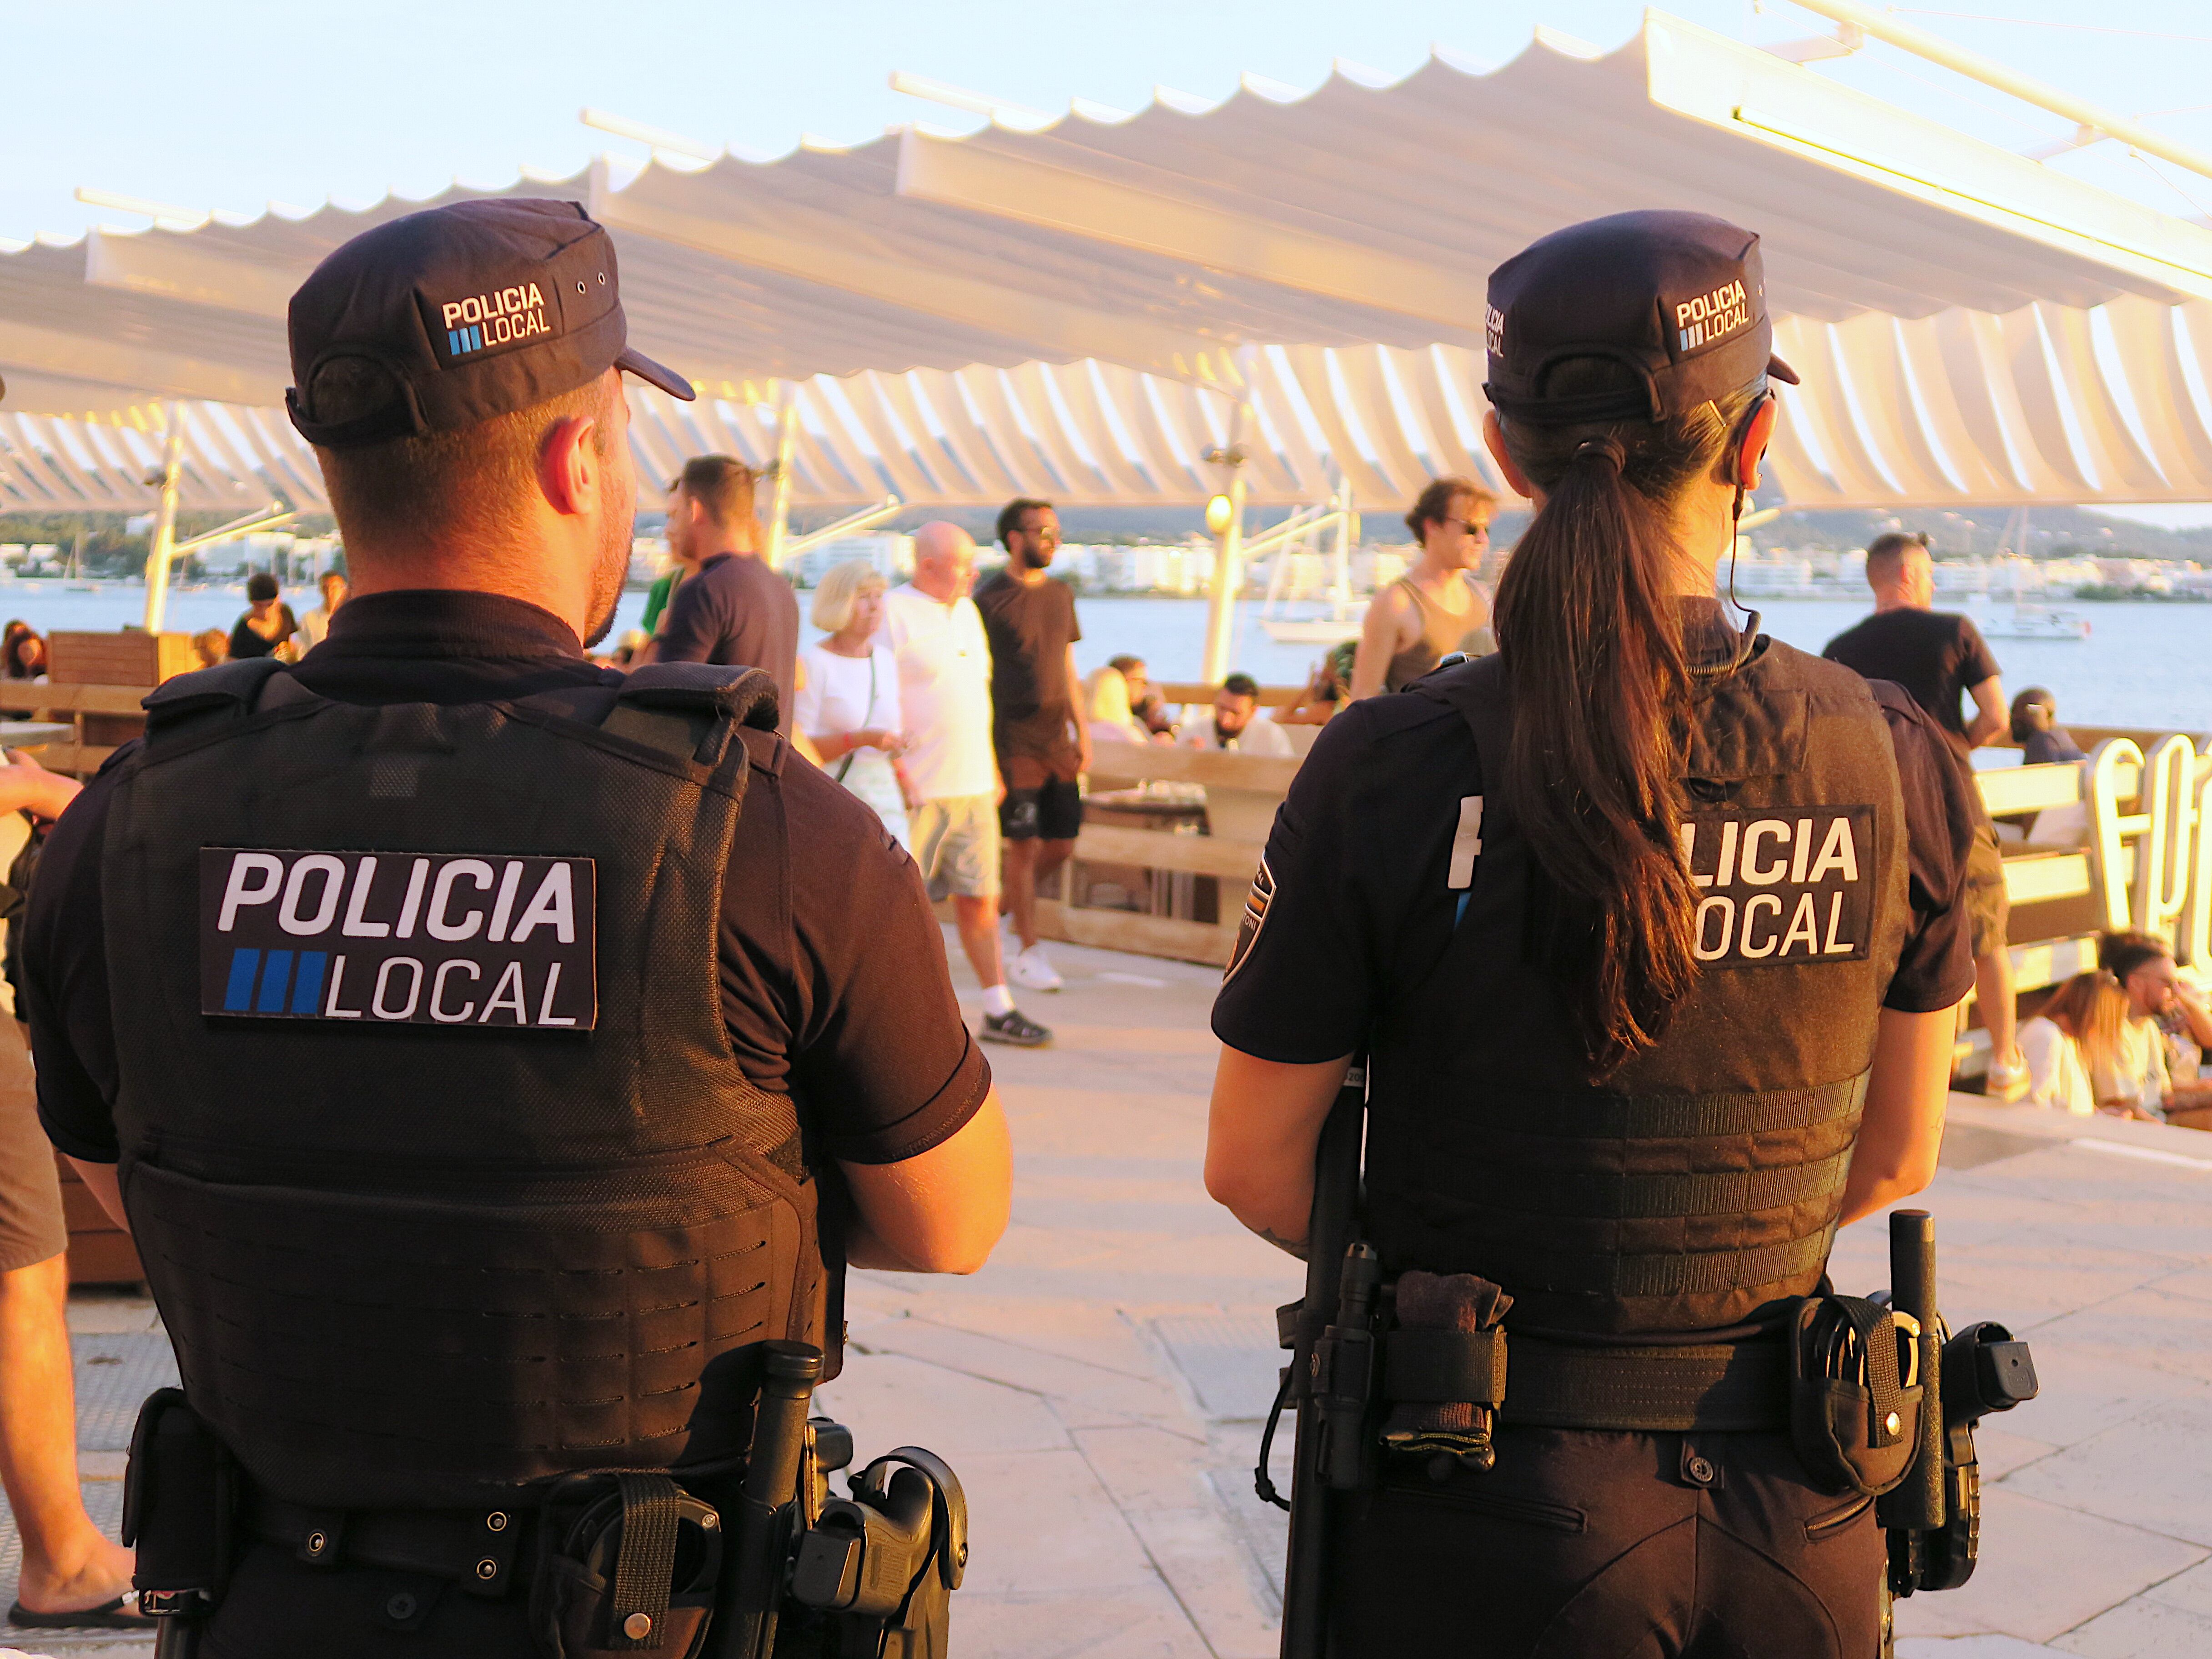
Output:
(1587, 1115)
(1537, 1267)
(1609, 1194)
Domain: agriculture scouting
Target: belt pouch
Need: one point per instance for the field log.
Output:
(628, 1564)
(1854, 1402)
(179, 1503)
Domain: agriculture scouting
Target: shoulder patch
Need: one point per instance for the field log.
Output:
(1256, 904)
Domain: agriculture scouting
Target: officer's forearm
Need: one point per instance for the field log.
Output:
(100, 1180)
(1263, 1128)
(1902, 1128)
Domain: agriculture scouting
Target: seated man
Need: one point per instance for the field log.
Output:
(2163, 1013)
(1238, 723)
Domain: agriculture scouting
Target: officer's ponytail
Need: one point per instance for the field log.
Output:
(1588, 626)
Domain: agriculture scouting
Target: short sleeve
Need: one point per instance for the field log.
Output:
(65, 994)
(1936, 967)
(1977, 662)
(1297, 990)
(837, 986)
(690, 629)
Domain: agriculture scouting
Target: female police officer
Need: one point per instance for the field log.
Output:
(1648, 930)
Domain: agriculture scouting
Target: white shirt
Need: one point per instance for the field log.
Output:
(2140, 1064)
(837, 697)
(1261, 736)
(2055, 1075)
(945, 687)
(316, 625)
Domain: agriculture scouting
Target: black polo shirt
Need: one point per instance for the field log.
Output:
(1361, 903)
(834, 984)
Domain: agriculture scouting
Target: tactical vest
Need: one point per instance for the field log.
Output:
(1702, 1181)
(427, 1219)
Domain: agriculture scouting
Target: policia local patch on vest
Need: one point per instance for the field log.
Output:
(483, 942)
(1782, 887)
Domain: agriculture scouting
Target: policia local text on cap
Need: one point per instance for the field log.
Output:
(505, 1085)
(1631, 951)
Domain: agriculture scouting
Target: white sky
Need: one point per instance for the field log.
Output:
(236, 104)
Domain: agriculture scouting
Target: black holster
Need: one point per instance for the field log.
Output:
(628, 1561)
(180, 1506)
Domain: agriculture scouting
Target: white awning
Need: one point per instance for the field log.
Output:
(1073, 311)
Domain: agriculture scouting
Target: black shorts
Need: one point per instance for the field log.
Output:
(1044, 800)
(1581, 1543)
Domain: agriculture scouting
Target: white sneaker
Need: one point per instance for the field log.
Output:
(1032, 971)
(2006, 1084)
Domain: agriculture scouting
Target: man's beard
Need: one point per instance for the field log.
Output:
(608, 575)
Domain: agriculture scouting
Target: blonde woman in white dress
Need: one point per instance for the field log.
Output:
(849, 694)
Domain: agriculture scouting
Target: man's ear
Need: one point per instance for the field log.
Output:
(1493, 440)
(569, 470)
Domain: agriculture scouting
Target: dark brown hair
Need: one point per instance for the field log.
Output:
(1588, 626)
(464, 482)
(721, 484)
(1010, 517)
(1433, 505)
(2121, 954)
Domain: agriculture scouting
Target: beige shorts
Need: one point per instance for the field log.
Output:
(1989, 909)
(955, 842)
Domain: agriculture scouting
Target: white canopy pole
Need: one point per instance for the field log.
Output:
(1884, 27)
(161, 545)
(1228, 555)
(786, 450)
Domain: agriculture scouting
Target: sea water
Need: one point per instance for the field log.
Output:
(2143, 665)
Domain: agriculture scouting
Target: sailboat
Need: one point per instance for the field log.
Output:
(2030, 619)
(1345, 614)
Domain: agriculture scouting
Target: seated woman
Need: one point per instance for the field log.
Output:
(2035, 728)
(1112, 719)
(1327, 691)
(25, 653)
(2073, 1048)
(849, 694)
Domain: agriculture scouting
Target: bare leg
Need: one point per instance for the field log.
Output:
(1020, 897)
(1993, 994)
(977, 919)
(1051, 854)
(68, 1566)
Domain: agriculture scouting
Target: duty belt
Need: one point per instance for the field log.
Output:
(1643, 1387)
(477, 1549)
(1733, 1385)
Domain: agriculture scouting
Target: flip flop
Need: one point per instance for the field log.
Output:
(110, 1615)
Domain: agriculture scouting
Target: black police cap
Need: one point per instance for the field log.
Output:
(471, 310)
(1680, 299)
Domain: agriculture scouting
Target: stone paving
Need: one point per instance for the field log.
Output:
(1098, 1386)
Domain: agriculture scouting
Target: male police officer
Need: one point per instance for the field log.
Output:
(483, 1043)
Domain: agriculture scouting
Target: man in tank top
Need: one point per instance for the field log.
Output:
(1437, 607)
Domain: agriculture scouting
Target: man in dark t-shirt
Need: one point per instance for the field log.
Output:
(735, 610)
(1042, 739)
(1939, 658)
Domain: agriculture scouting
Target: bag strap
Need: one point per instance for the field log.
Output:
(846, 765)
